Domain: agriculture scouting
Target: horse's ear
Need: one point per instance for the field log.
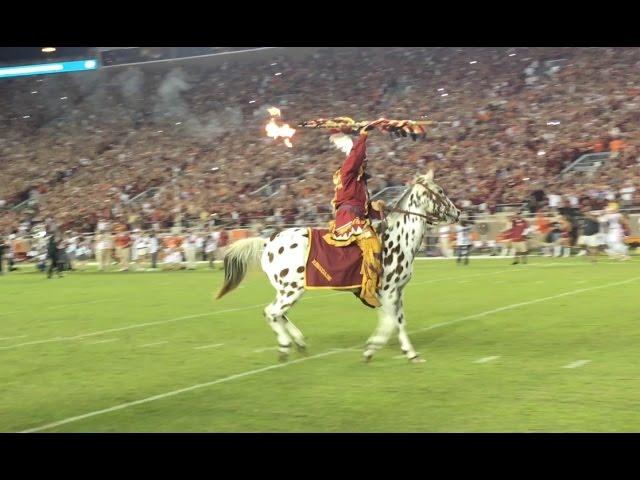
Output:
(429, 175)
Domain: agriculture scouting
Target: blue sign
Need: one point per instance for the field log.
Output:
(48, 68)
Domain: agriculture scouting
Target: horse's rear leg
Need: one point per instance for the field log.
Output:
(284, 329)
(295, 333)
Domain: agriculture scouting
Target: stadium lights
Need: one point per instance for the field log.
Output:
(440, 89)
(252, 101)
(512, 54)
(278, 73)
(444, 95)
(26, 116)
(34, 91)
(474, 61)
(63, 98)
(178, 123)
(274, 64)
(48, 50)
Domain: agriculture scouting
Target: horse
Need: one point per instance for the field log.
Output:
(283, 258)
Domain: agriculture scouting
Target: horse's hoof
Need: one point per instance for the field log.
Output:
(368, 358)
(417, 359)
(283, 357)
(302, 349)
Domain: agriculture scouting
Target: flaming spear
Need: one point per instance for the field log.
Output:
(400, 128)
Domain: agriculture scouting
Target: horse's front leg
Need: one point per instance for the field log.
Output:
(403, 336)
(387, 314)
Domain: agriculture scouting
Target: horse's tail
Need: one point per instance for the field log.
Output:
(240, 256)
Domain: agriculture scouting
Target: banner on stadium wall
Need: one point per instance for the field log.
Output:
(48, 68)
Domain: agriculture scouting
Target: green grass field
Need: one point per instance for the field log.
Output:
(152, 352)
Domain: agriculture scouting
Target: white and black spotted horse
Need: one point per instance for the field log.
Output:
(282, 258)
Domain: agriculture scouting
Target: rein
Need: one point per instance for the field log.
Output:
(431, 220)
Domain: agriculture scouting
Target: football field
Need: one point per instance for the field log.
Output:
(552, 346)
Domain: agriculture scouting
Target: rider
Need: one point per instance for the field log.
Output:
(353, 211)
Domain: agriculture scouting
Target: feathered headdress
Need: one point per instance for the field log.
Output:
(343, 142)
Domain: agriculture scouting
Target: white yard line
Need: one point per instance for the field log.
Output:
(177, 392)
(219, 312)
(106, 340)
(213, 345)
(53, 307)
(577, 364)
(154, 344)
(128, 327)
(260, 350)
(486, 359)
(11, 338)
(197, 315)
(523, 304)
(304, 359)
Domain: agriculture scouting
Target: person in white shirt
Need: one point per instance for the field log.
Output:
(555, 201)
(189, 249)
(463, 242)
(200, 245)
(211, 247)
(626, 194)
(140, 248)
(614, 224)
(72, 246)
(103, 249)
(445, 242)
(153, 249)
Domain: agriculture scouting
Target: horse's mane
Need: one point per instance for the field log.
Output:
(404, 195)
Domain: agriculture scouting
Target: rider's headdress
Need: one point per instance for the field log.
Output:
(343, 142)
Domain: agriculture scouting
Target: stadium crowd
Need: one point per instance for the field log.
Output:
(77, 149)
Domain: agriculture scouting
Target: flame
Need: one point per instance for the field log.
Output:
(276, 131)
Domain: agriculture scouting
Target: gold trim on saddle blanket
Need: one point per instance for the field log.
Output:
(347, 233)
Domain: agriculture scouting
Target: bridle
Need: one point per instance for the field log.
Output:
(431, 219)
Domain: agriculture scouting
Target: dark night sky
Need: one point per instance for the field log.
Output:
(23, 55)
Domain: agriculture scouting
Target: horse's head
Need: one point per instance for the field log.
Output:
(437, 203)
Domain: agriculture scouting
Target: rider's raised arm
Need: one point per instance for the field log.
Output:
(352, 164)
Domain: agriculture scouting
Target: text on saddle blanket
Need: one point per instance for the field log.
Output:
(332, 267)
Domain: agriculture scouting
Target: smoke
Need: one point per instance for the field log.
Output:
(170, 102)
(217, 123)
(173, 106)
(131, 83)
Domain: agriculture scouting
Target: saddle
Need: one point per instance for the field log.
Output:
(331, 267)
